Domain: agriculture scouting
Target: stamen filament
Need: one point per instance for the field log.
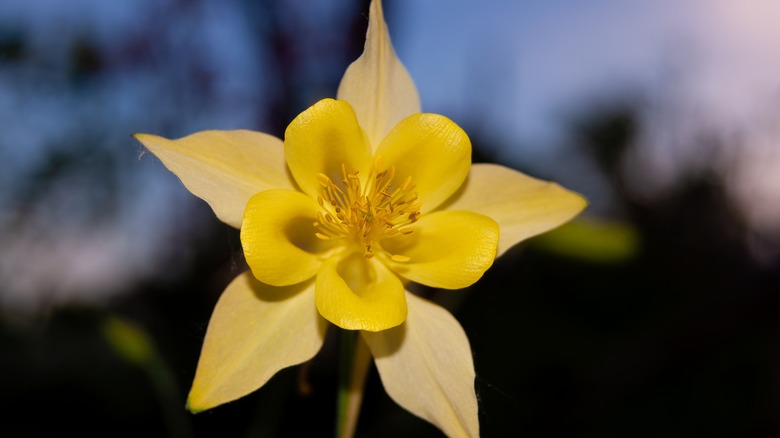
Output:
(366, 213)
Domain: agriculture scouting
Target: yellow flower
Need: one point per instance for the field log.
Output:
(364, 194)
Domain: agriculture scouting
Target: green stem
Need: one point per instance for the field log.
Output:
(348, 338)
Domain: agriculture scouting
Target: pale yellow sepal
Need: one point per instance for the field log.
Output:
(356, 293)
(432, 150)
(448, 249)
(377, 85)
(255, 331)
(522, 206)
(426, 367)
(224, 168)
(278, 237)
(322, 139)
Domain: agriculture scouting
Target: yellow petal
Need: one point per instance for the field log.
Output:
(377, 84)
(522, 206)
(426, 367)
(278, 237)
(433, 151)
(224, 168)
(320, 140)
(255, 331)
(448, 249)
(356, 293)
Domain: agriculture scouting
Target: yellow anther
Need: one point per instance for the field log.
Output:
(379, 162)
(407, 185)
(365, 213)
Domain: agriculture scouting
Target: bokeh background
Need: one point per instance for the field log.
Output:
(654, 314)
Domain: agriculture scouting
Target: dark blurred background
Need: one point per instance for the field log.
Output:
(654, 314)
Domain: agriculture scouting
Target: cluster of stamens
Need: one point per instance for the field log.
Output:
(366, 214)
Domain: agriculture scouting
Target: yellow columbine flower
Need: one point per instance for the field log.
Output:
(364, 194)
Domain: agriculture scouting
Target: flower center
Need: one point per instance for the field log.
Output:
(366, 213)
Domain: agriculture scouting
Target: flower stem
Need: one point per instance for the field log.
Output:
(354, 363)
(348, 338)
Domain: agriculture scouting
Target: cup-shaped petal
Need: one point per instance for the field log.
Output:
(357, 293)
(278, 237)
(377, 85)
(522, 206)
(224, 168)
(322, 139)
(448, 249)
(433, 151)
(426, 367)
(255, 331)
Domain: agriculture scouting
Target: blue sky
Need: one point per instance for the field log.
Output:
(692, 68)
(514, 70)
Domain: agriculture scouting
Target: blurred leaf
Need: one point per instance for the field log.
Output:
(593, 240)
(129, 341)
(134, 345)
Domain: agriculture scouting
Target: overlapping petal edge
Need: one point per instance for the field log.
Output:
(237, 171)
